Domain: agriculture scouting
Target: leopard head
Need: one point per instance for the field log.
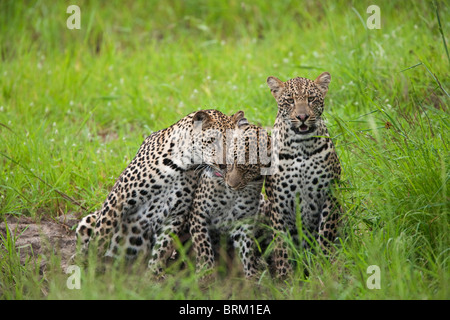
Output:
(249, 151)
(213, 139)
(300, 101)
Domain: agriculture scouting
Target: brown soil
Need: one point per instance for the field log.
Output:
(43, 238)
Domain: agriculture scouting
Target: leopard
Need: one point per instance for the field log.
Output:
(226, 202)
(150, 201)
(307, 169)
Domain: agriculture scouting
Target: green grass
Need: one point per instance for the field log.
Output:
(75, 106)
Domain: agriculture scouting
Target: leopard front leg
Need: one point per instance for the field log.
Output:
(201, 239)
(329, 221)
(282, 218)
(311, 216)
(320, 216)
(164, 243)
(243, 241)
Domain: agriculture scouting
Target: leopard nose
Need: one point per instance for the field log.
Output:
(303, 117)
(233, 180)
(233, 184)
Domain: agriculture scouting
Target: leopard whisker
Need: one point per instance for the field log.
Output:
(199, 168)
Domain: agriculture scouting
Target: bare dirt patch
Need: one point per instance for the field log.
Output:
(42, 239)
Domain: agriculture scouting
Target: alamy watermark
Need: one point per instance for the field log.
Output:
(74, 20)
(212, 146)
(74, 280)
(374, 21)
(374, 280)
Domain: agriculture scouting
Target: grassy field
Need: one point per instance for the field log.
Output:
(75, 106)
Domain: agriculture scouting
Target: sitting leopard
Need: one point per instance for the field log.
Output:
(227, 200)
(307, 165)
(151, 199)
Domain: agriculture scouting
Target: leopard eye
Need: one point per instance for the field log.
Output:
(222, 166)
(311, 99)
(290, 101)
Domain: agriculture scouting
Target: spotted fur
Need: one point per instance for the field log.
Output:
(307, 166)
(150, 201)
(227, 200)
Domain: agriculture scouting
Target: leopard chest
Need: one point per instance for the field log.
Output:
(302, 170)
(228, 206)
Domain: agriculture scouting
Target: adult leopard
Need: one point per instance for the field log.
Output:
(150, 201)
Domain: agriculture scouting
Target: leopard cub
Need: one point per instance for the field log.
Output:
(307, 169)
(227, 199)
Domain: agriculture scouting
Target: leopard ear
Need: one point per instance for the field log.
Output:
(237, 116)
(239, 119)
(276, 86)
(204, 118)
(322, 82)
